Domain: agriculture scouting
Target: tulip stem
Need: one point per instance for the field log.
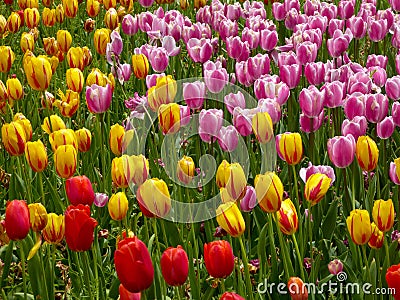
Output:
(23, 270)
(300, 259)
(246, 269)
(364, 253)
(386, 253)
(86, 273)
(53, 258)
(40, 175)
(296, 188)
(96, 272)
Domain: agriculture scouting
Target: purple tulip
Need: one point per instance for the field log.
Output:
(268, 39)
(159, 59)
(396, 37)
(242, 73)
(146, 3)
(392, 87)
(271, 107)
(290, 74)
(359, 82)
(385, 128)
(346, 9)
(228, 138)
(311, 101)
(215, 76)
(100, 199)
(356, 127)
(122, 72)
(249, 200)
(210, 123)
(315, 72)
(393, 174)
(396, 113)
(398, 64)
(199, 50)
(328, 10)
(98, 98)
(242, 120)
(376, 61)
(334, 93)
(305, 173)
(234, 100)
(228, 28)
(169, 44)
(233, 12)
(312, 124)
(278, 11)
(395, 4)
(335, 24)
(258, 66)
(378, 75)
(129, 24)
(251, 37)
(377, 29)
(376, 107)
(358, 27)
(341, 150)
(306, 52)
(194, 93)
(267, 88)
(310, 7)
(184, 115)
(339, 42)
(354, 105)
(292, 19)
(237, 49)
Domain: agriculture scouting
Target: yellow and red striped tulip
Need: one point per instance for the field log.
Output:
(3, 27)
(14, 22)
(109, 4)
(13, 137)
(36, 155)
(75, 80)
(169, 117)
(317, 186)
(100, 39)
(96, 77)
(38, 72)
(127, 170)
(60, 13)
(14, 89)
(287, 218)
(70, 8)
(31, 17)
(140, 65)
(54, 231)
(68, 103)
(367, 153)
(62, 137)
(269, 191)
(92, 8)
(50, 46)
(163, 92)
(116, 137)
(25, 123)
(65, 158)
(118, 206)
(154, 198)
(111, 19)
(383, 214)
(223, 173)
(27, 42)
(262, 127)
(37, 216)
(7, 58)
(64, 40)
(52, 124)
(75, 58)
(290, 147)
(185, 169)
(48, 17)
(84, 139)
(230, 219)
(359, 226)
(377, 237)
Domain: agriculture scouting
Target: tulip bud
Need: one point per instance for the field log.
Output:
(111, 19)
(64, 40)
(383, 214)
(335, 267)
(65, 158)
(36, 155)
(174, 266)
(367, 153)
(79, 190)
(14, 22)
(60, 14)
(14, 88)
(54, 231)
(100, 199)
(359, 226)
(116, 137)
(219, 259)
(185, 169)
(230, 219)
(154, 198)
(289, 147)
(377, 237)
(27, 42)
(17, 220)
(269, 191)
(100, 39)
(286, 218)
(54, 124)
(14, 138)
(317, 186)
(92, 8)
(118, 206)
(262, 127)
(38, 216)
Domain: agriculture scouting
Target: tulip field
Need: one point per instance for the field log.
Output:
(199, 149)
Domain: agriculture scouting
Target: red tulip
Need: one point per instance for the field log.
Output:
(133, 265)
(174, 266)
(17, 220)
(79, 190)
(124, 294)
(218, 257)
(297, 289)
(393, 280)
(231, 296)
(79, 227)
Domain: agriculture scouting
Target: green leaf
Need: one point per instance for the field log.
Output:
(329, 223)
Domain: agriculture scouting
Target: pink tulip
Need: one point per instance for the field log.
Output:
(194, 93)
(335, 24)
(159, 59)
(292, 19)
(341, 150)
(129, 25)
(242, 120)
(234, 100)
(237, 49)
(310, 7)
(258, 66)
(199, 50)
(334, 93)
(278, 11)
(396, 37)
(328, 10)
(233, 12)
(393, 173)
(184, 114)
(311, 101)
(268, 39)
(318, 22)
(395, 4)
(315, 72)
(385, 128)
(359, 82)
(312, 124)
(339, 42)
(228, 28)
(269, 89)
(210, 123)
(228, 138)
(242, 73)
(251, 37)
(377, 29)
(357, 26)
(396, 113)
(290, 74)
(392, 87)
(271, 107)
(305, 173)
(356, 127)
(354, 105)
(191, 32)
(306, 52)
(146, 3)
(249, 200)
(215, 76)
(292, 4)
(374, 60)
(169, 44)
(378, 75)
(346, 9)
(98, 98)
(398, 64)
(376, 107)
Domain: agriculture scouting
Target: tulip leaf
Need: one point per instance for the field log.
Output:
(262, 251)
(373, 272)
(113, 292)
(151, 242)
(7, 262)
(329, 223)
(174, 237)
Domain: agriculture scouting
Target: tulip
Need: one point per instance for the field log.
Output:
(116, 137)
(96, 77)
(15, 90)
(306, 52)
(62, 137)
(169, 118)
(100, 39)
(290, 74)
(54, 231)
(334, 93)
(376, 107)
(163, 92)
(335, 24)
(109, 4)
(124, 294)
(70, 8)
(37, 216)
(357, 26)
(377, 237)
(289, 147)
(159, 59)
(335, 267)
(230, 219)
(223, 173)
(118, 206)
(92, 8)
(315, 72)
(133, 265)
(393, 280)
(228, 138)
(27, 42)
(268, 39)
(14, 22)
(75, 80)
(317, 186)
(367, 153)
(174, 264)
(26, 124)
(199, 50)
(341, 150)
(111, 19)
(65, 158)
(120, 168)
(269, 191)
(140, 65)
(385, 128)
(129, 25)
(98, 98)
(286, 218)
(377, 29)
(297, 289)
(338, 43)
(359, 226)
(194, 93)
(60, 13)
(383, 214)
(185, 169)
(68, 104)
(218, 258)
(392, 87)
(3, 26)
(31, 17)
(262, 127)
(210, 123)
(79, 227)
(266, 88)
(64, 40)
(54, 124)
(355, 105)
(79, 190)
(48, 17)
(14, 138)
(231, 296)
(154, 198)
(17, 221)
(234, 100)
(36, 155)
(233, 179)
(75, 58)
(215, 76)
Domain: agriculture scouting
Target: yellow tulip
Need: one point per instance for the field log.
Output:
(290, 147)
(75, 79)
(383, 214)
(262, 127)
(65, 158)
(116, 137)
(118, 206)
(169, 117)
(64, 40)
(96, 77)
(100, 39)
(163, 92)
(269, 191)
(60, 14)
(38, 72)
(377, 237)
(13, 137)
(54, 231)
(111, 19)
(232, 178)
(14, 89)
(84, 139)
(7, 58)
(140, 65)
(31, 17)
(37, 216)
(317, 186)
(48, 17)
(36, 155)
(70, 8)
(92, 8)
(154, 198)
(63, 137)
(359, 226)
(26, 124)
(13, 23)
(287, 218)
(27, 42)
(185, 169)
(367, 153)
(230, 219)
(75, 58)
(52, 124)
(223, 173)
(68, 104)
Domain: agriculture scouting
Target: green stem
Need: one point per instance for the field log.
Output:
(285, 259)
(364, 253)
(42, 199)
(23, 270)
(296, 189)
(246, 269)
(300, 259)
(96, 272)
(86, 272)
